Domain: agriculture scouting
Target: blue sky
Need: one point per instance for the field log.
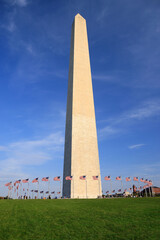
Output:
(124, 39)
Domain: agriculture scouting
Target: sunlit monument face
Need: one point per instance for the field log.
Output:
(81, 159)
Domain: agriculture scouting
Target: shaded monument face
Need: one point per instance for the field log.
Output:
(81, 150)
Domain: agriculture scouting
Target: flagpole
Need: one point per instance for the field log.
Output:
(121, 185)
(48, 186)
(13, 190)
(111, 185)
(38, 189)
(8, 193)
(20, 189)
(28, 190)
(60, 185)
(86, 187)
(149, 191)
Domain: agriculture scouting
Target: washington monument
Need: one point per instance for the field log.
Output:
(81, 158)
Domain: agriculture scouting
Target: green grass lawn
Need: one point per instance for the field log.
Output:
(80, 219)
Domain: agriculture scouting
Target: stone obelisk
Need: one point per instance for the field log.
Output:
(81, 156)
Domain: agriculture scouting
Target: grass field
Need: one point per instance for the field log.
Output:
(80, 219)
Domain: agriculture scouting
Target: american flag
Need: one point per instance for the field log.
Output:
(57, 178)
(45, 179)
(118, 178)
(119, 190)
(95, 177)
(35, 180)
(107, 191)
(35, 190)
(125, 190)
(113, 191)
(18, 181)
(52, 192)
(8, 184)
(107, 178)
(32, 190)
(41, 191)
(128, 179)
(146, 181)
(47, 192)
(58, 192)
(25, 180)
(135, 179)
(23, 189)
(69, 178)
(142, 180)
(82, 177)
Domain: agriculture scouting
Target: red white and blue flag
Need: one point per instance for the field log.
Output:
(107, 191)
(107, 178)
(118, 178)
(35, 190)
(35, 180)
(125, 190)
(41, 191)
(119, 190)
(135, 179)
(45, 179)
(113, 191)
(82, 177)
(58, 192)
(95, 177)
(57, 178)
(128, 179)
(52, 192)
(69, 177)
(8, 184)
(146, 181)
(18, 181)
(25, 180)
(47, 192)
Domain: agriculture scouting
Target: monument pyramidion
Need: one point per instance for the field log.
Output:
(81, 173)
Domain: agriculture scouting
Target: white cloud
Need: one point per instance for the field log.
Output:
(21, 3)
(107, 131)
(148, 109)
(136, 146)
(10, 27)
(120, 123)
(3, 148)
(104, 78)
(29, 153)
